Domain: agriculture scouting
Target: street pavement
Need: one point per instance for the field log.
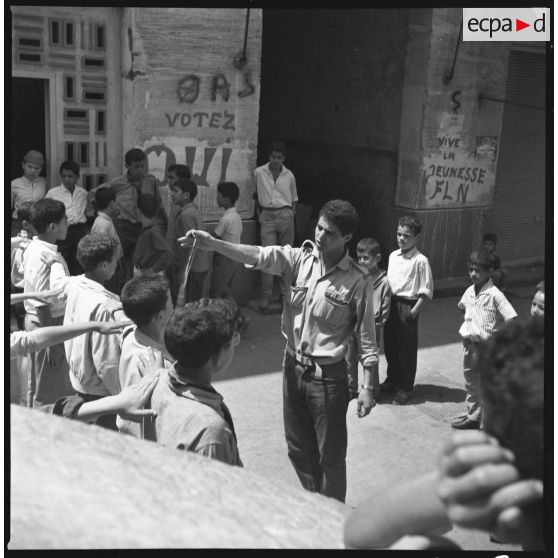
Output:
(393, 443)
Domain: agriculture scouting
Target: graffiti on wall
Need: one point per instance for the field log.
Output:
(188, 88)
(461, 172)
(208, 164)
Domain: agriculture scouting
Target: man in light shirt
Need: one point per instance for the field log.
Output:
(27, 188)
(75, 201)
(276, 203)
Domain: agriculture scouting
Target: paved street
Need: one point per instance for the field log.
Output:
(390, 445)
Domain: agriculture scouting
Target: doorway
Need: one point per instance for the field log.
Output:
(27, 121)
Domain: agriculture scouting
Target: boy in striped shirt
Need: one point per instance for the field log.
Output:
(485, 309)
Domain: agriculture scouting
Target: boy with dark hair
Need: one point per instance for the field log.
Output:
(498, 273)
(485, 309)
(152, 252)
(174, 172)
(75, 200)
(276, 198)
(94, 358)
(537, 305)
(229, 228)
(369, 256)
(147, 302)
(128, 188)
(191, 415)
(183, 194)
(411, 283)
(30, 187)
(330, 297)
(480, 483)
(44, 269)
(105, 204)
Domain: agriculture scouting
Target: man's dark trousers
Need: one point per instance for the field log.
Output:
(401, 344)
(315, 418)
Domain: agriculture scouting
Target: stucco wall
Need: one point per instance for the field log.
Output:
(186, 102)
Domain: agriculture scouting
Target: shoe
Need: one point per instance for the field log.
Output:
(466, 424)
(387, 387)
(263, 305)
(401, 397)
(494, 539)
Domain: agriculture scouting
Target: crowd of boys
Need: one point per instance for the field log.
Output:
(116, 319)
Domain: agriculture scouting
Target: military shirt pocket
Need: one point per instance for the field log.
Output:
(331, 309)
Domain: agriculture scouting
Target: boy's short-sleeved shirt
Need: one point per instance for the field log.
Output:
(409, 274)
(134, 344)
(93, 357)
(485, 312)
(103, 224)
(25, 190)
(152, 251)
(75, 203)
(194, 418)
(44, 268)
(16, 259)
(229, 227)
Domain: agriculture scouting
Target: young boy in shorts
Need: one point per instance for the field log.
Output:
(191, 414)
(369, 256)
(537, 305)
(411, 283)
(152, 253)
(485, 309)
(75, 199)
(30, 187)
(489, 480)
(183, 194)
(44, 269)
(147, 302)
(228, 228)
(94, 358)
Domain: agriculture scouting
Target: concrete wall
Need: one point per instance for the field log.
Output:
(331, 89)
(76, 486)
(185, 101)
(449, 141)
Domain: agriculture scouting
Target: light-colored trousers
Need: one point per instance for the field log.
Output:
(276, 229)
(472, 380)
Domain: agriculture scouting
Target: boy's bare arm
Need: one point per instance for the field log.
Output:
(410, 508)
(418, 304)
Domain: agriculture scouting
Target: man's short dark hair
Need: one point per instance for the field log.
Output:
(46, 211)
(104, 194)
(342, 214)
(229, 190)
(133, 155)
(70, 166)
(511, 370)
(148, 204)
(278, 146)
(483, 259)
(188, 187)
(181, 171)
(195, 332)
(94, 249)
(491, 237)
(24, 211)
(412, 222)
(369, 245)
(144, 296)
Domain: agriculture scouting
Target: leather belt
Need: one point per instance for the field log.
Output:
(308, 360)
(276, 208)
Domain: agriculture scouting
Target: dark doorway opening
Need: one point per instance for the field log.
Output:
(27, 121)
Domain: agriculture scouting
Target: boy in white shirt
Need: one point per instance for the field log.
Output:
(229, 228)
(146, 300)
(93, 358)
(74, 198)
(44, 269)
